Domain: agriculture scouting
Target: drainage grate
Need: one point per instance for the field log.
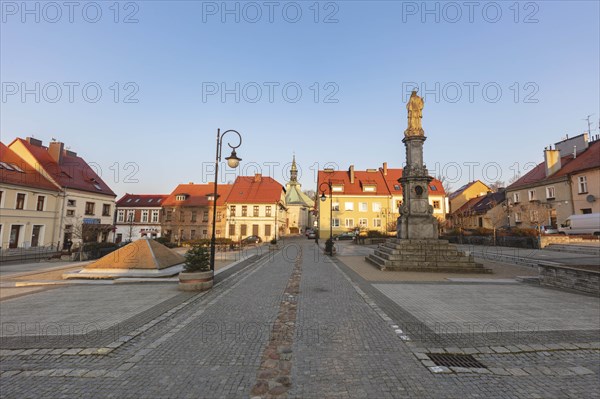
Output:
(453, 360)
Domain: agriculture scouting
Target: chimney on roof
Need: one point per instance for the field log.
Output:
(257, 177)
(191, 182)
(55, 149)
(351, 170)
(552, 160)
(33, 141)
(385, 168)
(574, 144)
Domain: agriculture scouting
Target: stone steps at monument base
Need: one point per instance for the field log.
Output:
(425, 256)
(417, 247)
(450, 267)
(450, 253)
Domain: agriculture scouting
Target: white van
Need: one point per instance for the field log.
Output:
(581, 224)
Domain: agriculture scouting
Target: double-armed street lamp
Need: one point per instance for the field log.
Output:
(323, 198)
(232, 161)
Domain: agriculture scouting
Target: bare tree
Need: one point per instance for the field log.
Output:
(445, 183)
(497, 185)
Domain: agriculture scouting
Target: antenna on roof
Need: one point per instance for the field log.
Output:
(589, 124)
(53, 139)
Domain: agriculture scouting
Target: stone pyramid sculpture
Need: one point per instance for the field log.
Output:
(141, 258)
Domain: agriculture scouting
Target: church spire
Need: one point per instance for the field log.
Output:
(294, 171)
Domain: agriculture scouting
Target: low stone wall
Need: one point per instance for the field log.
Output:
(564, 239)
(586, 281)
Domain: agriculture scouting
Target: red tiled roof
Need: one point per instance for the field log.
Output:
(142, 200)
(29, 177)
(253, 190)
(482, 204)
(587, 159)
(386, 184)
(73, 172)
(469, 205)
(197, 194)
(393, 175)
(361, 178)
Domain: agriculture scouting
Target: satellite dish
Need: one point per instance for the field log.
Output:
(590, 198)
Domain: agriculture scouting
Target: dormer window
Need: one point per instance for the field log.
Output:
(150, 200)
(137, 200)
(180, 197)
(128, 200)
(369, 189)
(433, 188)
(337, 188)
(97, 186)
(397, 187)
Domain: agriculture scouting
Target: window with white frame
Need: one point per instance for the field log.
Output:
(531, 194)
(550, 192)
(376, 206)
(145, 214)
(516, 198)
(349, 223)
(155, 214)
(348, 206)
(335, 222)
(130, 216)
(120, 215)
(337, 188)
(517, 217)
(336, 206)
(376, 222)
(369, 189)
(40, 202)
(363, 222)
(20, 204)
(582, 184)
(363, 207)
(533, 216)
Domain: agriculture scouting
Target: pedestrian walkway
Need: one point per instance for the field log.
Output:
(300, 324)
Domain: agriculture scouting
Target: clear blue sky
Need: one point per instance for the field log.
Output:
(178, 53)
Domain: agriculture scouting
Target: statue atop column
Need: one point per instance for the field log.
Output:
(415, 114)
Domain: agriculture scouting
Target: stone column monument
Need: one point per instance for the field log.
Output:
(417, 247)
(416, 214)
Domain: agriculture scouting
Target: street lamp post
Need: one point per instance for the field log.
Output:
(232, 161)
(323, 198)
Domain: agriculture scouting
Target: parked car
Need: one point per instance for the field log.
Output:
(548, 230)
(308, 232)
(251, 240)
(349, 235)
(311, 235)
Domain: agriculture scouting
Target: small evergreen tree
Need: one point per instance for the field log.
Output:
(197, 260)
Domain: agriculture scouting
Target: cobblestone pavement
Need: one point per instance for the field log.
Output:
(347, 339)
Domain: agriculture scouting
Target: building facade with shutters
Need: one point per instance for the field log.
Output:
(256, 206)
(558, 187)
(86, 204)
(188, 212)
(29, 205)
(366, 200)
(139, 216)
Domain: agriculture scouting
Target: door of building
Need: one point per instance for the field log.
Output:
(35, 235)
(15, 231)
